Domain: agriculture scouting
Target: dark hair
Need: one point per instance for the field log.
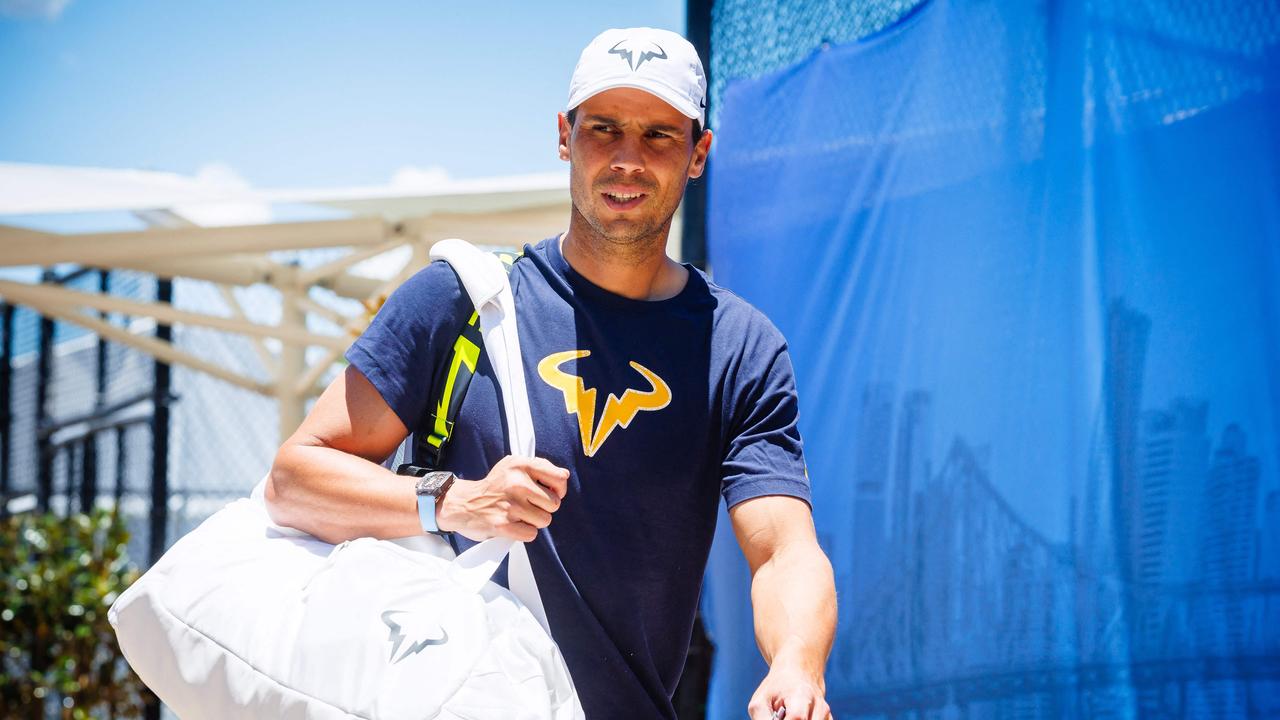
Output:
(697, 126)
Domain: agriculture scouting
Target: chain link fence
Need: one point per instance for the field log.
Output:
(224, 436)
(750, 39)
(1178, 73)
(80, 411)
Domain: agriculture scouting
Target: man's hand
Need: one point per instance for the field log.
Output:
(513, 501)
(788, 686)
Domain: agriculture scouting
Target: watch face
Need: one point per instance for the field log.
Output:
(433, 483)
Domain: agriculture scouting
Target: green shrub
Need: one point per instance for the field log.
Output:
(58, 576)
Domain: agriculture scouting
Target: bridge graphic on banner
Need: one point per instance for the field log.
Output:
(1164, 602)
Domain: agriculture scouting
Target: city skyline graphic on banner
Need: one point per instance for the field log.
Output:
(1168, 584)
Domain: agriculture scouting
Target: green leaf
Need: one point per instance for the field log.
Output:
(56, 576)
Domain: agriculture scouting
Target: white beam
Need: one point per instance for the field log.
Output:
(311, 276)
(307, 385)
(268, 360)
(245, 271)
(352, 326)
(14, 235)
(510, 229)
(555, 194)
(242, 270)
(111, 249)
(158, 349)
(45, 296)
(293, 364)
(350, 286)
(375, 299)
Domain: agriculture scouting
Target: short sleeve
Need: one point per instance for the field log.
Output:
(764, 454)
(405, 345)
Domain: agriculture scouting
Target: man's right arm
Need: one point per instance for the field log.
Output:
(327, 481)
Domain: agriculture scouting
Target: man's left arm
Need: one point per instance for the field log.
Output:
(794, 600)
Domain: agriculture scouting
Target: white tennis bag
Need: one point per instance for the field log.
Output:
(242, 618)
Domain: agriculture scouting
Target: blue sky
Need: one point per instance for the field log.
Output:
(295, 93)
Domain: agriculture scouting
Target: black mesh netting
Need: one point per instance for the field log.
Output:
(752, 38)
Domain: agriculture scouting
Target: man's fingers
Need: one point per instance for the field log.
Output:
(519, 496)
(786, 694)
(541, 497)
(549, 475)
(522, 531)
(799, 705)
(527, 512)
(760, 708)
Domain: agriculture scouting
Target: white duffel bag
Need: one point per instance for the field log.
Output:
(242, 618)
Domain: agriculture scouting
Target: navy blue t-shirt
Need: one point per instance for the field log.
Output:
(657, 409)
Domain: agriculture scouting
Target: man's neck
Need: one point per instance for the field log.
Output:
(643, 272)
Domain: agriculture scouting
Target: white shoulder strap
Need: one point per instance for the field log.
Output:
(485, 281)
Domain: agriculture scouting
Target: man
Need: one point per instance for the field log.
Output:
(653, 393)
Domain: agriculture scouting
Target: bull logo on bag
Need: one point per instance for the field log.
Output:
(411, 626)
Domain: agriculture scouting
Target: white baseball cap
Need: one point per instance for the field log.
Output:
(659, 62)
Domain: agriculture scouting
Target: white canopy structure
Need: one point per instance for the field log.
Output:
(221, 233)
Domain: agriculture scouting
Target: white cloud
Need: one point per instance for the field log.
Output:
(416, 178)
(221, 178)
(47, 9)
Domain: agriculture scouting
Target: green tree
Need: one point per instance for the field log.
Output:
(58, 577)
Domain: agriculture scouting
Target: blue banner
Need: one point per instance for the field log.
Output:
(1027, 256)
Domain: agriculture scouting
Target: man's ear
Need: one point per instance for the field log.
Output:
(565, 131)
(699, 161)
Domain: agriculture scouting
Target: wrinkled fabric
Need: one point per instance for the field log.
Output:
(239, 620)
(1027, 260)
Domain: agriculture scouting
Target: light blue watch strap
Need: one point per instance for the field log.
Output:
(427, 513)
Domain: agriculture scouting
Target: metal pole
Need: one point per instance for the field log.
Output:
(73, 483)
(122, 464)
(693, 240)
(88, 472)
(159, 455)
(6, 400)
(293, 365)
(160, 436)
(89, 478)
(44, 371)
(691, 693)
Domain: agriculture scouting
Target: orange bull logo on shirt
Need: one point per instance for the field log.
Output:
(581, 401)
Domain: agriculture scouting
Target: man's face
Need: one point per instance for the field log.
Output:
(630, 155)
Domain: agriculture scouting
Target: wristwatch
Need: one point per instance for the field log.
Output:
(430, 488)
